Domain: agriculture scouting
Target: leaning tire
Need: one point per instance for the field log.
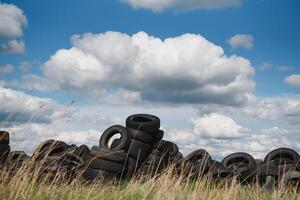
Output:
(282, 156)
(4, 151)
(123, 143)
(242, 164)
(143, 122)
(139, 150)
(4, 138)
(101, 164)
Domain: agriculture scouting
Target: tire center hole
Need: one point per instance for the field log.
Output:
(111, 140)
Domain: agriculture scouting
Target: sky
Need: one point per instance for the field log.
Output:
(222, 75)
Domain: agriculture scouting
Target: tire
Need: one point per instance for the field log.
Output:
(140, 135)
(4, 138)
(101, 164)
(49, 148)
(242, 164)
(269, 184)
(97, 151)
(218, 171)
(143, 122)
(92, 174)
(124, 141)
(115, 156)
(131, 169)
(4, 151)
(196, 163)
(291, 177)
(115, 143)
(167, 147)
(158, 135)
(139, 150)
(282, 156)
(83, 152)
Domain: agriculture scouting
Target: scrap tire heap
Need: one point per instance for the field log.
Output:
(138, 150)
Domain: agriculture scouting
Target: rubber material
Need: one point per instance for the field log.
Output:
(93, 174)
(282, 156)
(139, 150)
(124, 141)
(143, 122)
(140, 135)
(291, 177)
(4, 151)
(242, 164)
(4, 137)
(106, 165)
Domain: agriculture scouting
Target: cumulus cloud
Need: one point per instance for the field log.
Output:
(293, 80)
(184, 69)
(16, 107)
(13, 46)
(35, 82)
(217, 126)
(160, 5)
(244, 41)
(221, 141)
(6, 69)
(12, 21)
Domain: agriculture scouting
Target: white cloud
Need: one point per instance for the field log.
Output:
(34, 82)
(211, 133)
(6, 69)
(13, 46)
(184, 69)
(12, 21)
(217, 126)
(241, 41)
(293, 80)
(160, 5)
(16, 107)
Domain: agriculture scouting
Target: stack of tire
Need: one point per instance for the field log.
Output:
(138, 149)
(4, 147)
(57, 160)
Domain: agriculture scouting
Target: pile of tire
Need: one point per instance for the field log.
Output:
(138, 150)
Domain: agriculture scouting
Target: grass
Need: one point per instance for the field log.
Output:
(27, 185)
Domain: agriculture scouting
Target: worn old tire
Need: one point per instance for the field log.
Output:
(115, 156)
(140, 135)
(243, 165)
(4, 138)
(106, 165)
(83, 152)
(143, 122)
(282, 156)
(158, 135)
(139, 150)
(123, 143)
(93, 174)
(50, 148)
(291, 177)
(4, 151)
(218, 171)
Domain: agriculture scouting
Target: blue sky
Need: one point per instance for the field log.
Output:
(272, 26)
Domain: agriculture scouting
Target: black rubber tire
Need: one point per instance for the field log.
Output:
(131, 168)
(4, 137)
(282, 155)
(4, 151)
(143, 122)
(218, 171)
(139, 150)
(291, 177)
(115, 156)
(93, 174)
(124, 141)
(101, 164)
(115, 143)
(97, 151)
(50, 148)
(167, 147)
(197, 163)
(140, 135)
(270, 183)
(83, 152)
(158, 135)
(243, 165)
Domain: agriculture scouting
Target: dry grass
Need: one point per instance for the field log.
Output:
(27, 185)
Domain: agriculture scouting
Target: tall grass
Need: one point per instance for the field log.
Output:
(27, 184)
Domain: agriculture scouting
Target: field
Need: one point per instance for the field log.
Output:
(25, 185)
